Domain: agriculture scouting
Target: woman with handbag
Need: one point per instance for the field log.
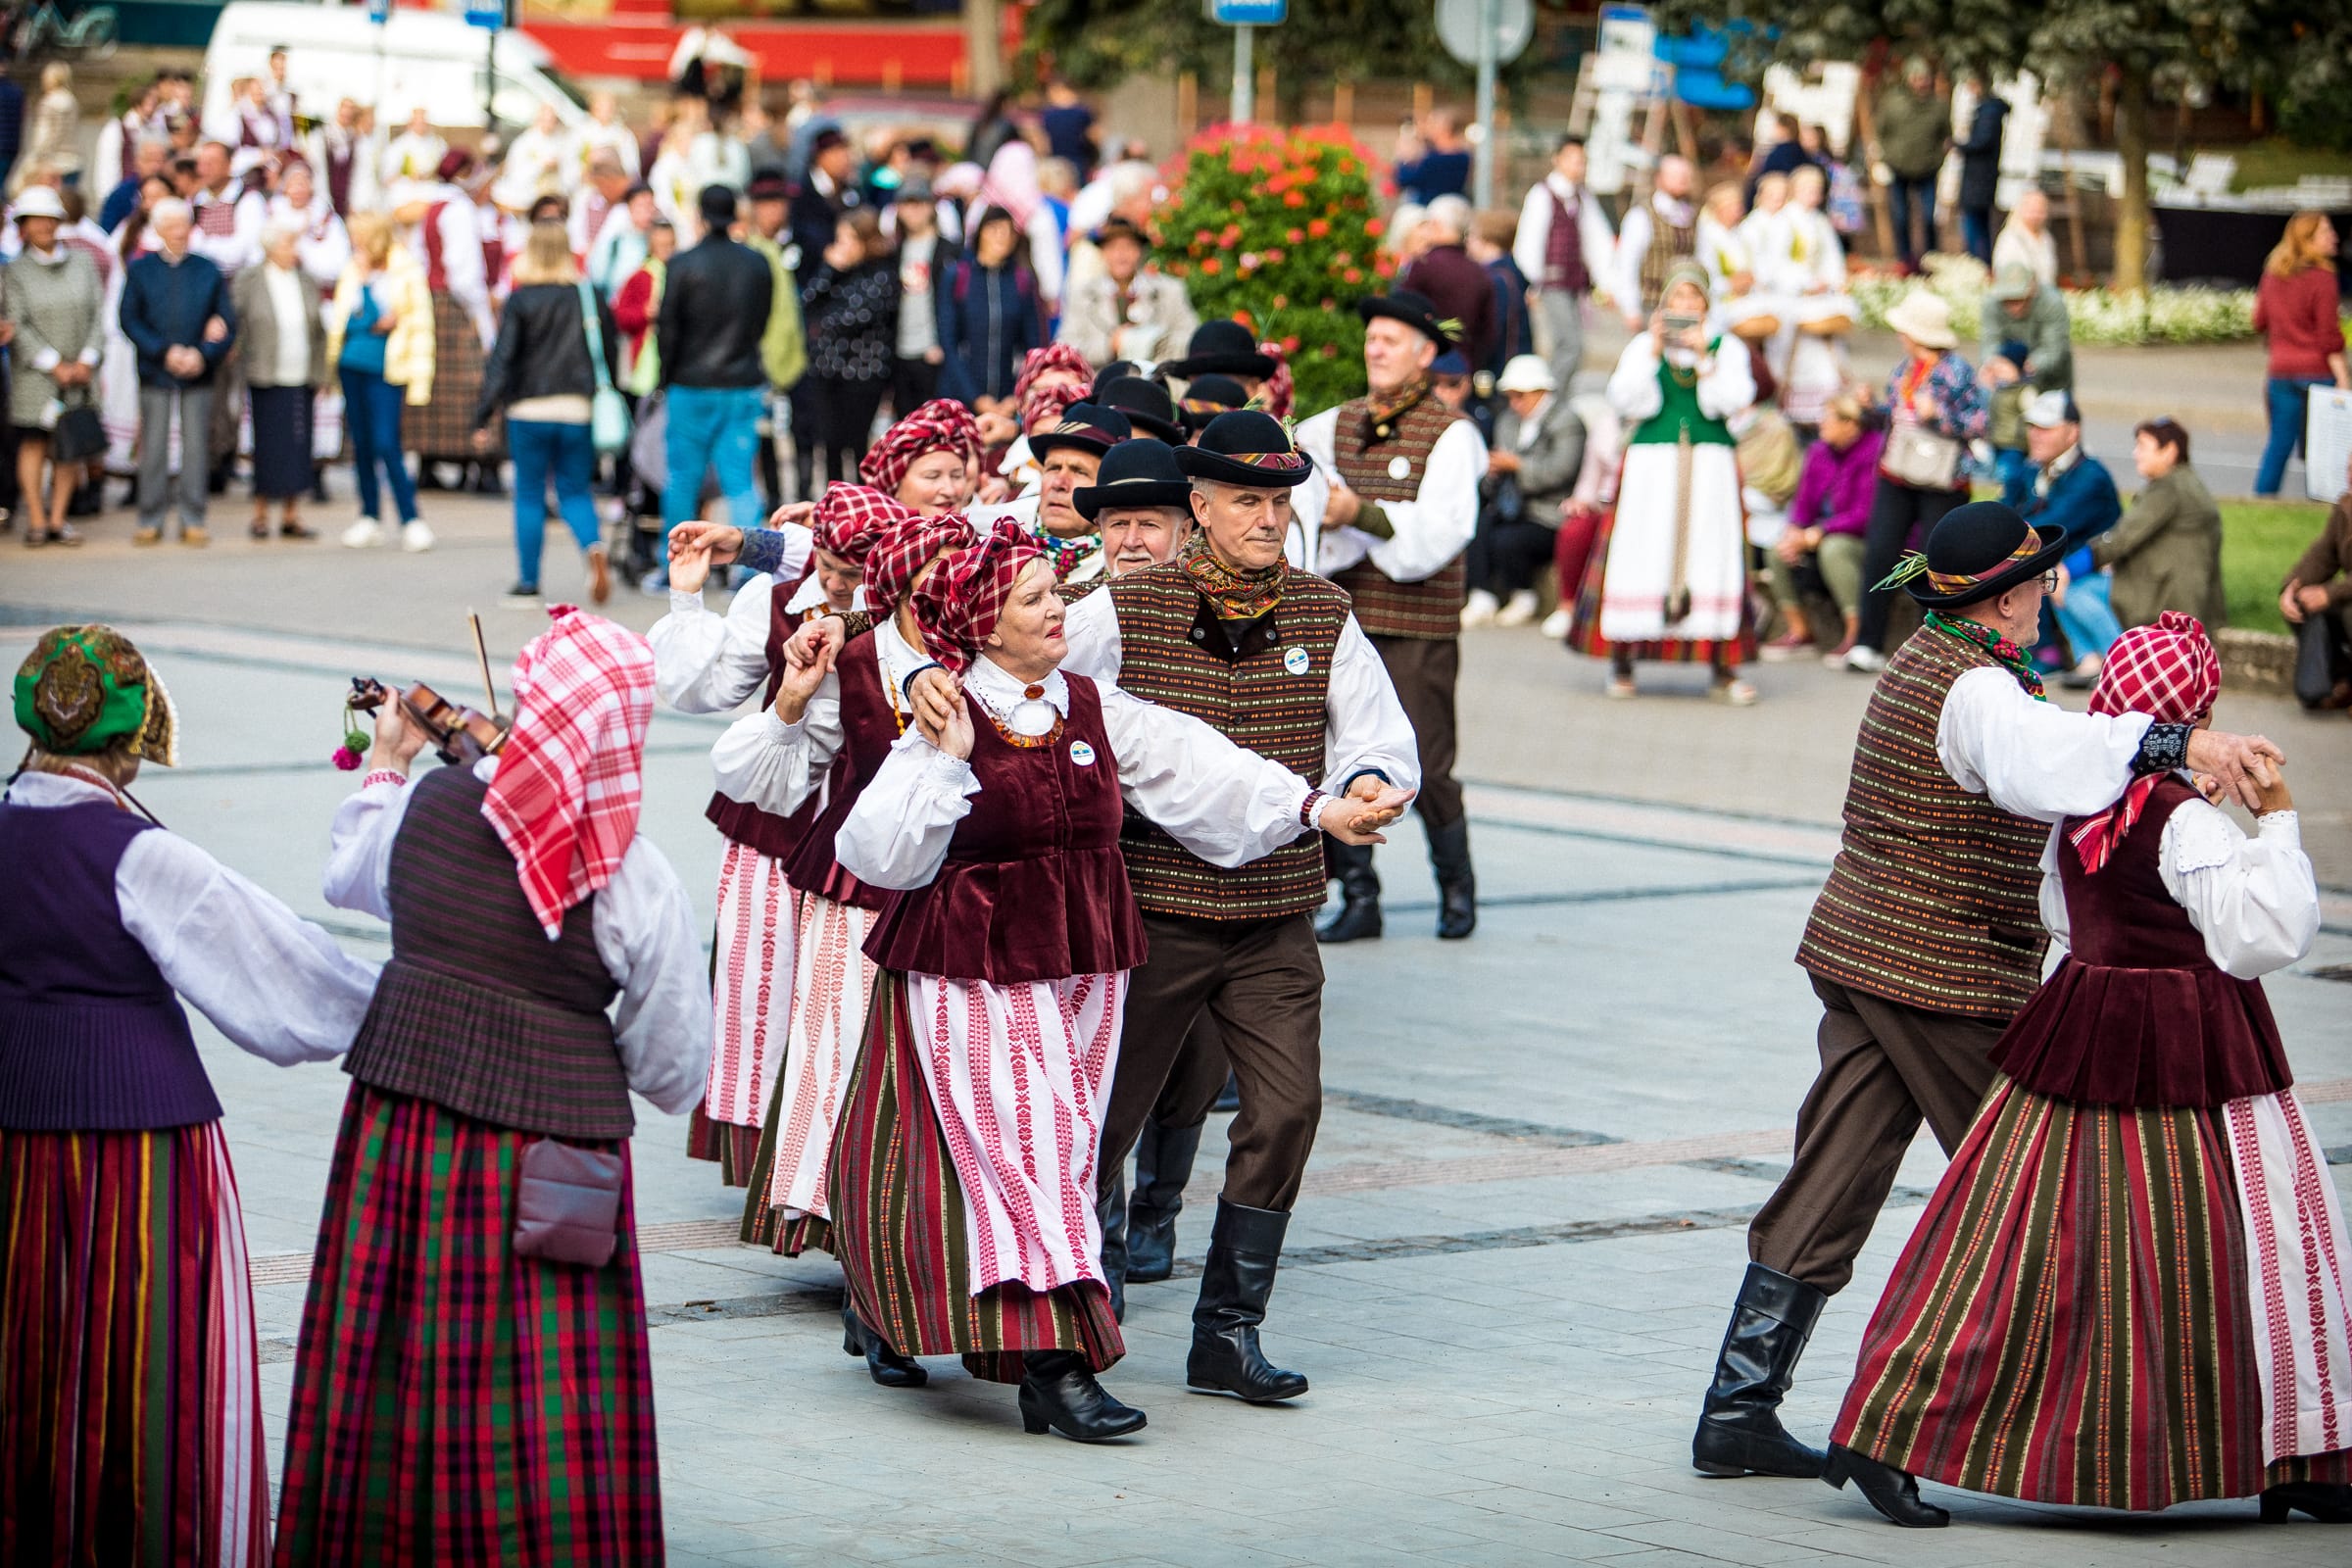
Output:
(473, 1366)
(53, 305)
(1935, 407)
(283, 338)
(553, 364)
(380, 340)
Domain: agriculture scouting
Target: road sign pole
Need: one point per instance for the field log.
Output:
(1487, 20)
(1244, 76)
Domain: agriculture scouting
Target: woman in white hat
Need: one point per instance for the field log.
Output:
(1532, 468)
(1934, 409)
(54, 299)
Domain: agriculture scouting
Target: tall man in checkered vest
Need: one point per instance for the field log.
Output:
(1402, 503)
(1925, 943)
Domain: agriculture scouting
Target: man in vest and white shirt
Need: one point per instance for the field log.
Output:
(1656, 235)
(1564, 247)
(1403, 473)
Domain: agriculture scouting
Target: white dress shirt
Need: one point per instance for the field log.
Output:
(2033, 759)
(764, 762)
(1428, 531)
(1632, 245)
(2253, 898)
(704, 662)
(1534, 239)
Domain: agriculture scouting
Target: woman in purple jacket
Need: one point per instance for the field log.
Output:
(1822, 549)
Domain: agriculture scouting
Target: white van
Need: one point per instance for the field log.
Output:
(428, 58)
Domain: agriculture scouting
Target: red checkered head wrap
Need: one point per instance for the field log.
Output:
(2168, 672)
(1047, 404)
(906, 550)
(850, 519)
(1044, 362)
(566, 795)
(1275, 396)
(942, 424)
(958, 605)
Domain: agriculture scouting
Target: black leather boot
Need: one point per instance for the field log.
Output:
(1893, 1492)
(1458, 887)
(1739, 1430)
(883, 1364)
(1058, 1392)
(1358, 917)
(1244, 1247)
(1163, 1163)
(1110, 1213)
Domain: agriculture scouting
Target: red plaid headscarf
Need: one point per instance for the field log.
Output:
(1042, 362)
(2168, 672)
(957, 605)
(1275, 396)
(906, 550)
(564, 798)
(850, 519)
(1049, 404)
(942, 424)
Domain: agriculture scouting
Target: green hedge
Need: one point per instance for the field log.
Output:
(2100, 316)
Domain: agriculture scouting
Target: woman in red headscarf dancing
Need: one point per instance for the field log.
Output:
(962, 1175)
(473, 1366)
(2133, 1287)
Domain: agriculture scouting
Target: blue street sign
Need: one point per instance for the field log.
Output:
(1248, 12)
(379, 12)
(486, 16)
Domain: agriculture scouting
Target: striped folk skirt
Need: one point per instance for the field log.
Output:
(444, 427)
(752, 972)
(2072, 1321)
(454, 1402)
(900, 1225)
(833, 979)
(130, 1399)
(1621, 605)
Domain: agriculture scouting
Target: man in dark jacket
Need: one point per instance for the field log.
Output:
(1981, 170)
(176, 313)
(823, 196)
(1914, 126)
(1455, 284)
(715, 308)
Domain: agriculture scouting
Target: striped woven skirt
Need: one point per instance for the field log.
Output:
(2072, 1322)
(130, 1399)
(1630, 571)
(833, 980)
(900, 1225)
(444, 427)
(454, 1402)
(751, 948)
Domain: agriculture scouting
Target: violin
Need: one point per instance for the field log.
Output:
(459, 735)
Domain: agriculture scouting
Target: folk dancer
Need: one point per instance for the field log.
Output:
(1403, 504)
(130, 1397)
(1927, 938)
(474, 1363)
(1655, 236)
(2142, 1177)
(1564, 247)
(441, 225)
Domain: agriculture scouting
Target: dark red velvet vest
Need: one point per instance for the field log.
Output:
(871, 728)
(774, 836)
(2137, 1014)
(1034, 887)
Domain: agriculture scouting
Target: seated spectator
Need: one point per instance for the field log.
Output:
(1827, 520)
(2071, 489)
(2026, 337)
(1450, 379)
(2166, 553)
(2317, 601)
(1531, 472)
(1595, 491)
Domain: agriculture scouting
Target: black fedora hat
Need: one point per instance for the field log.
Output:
(1135, 473)
(1245, 447)
(1207, 396)
(1415, 311)
(1108, 373)
(1224, 348)
(1147, 405)
(1086, 426)
(1978, 551)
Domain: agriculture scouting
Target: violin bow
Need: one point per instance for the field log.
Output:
(483, 653)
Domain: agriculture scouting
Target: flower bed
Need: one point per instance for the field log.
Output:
(2100, 316)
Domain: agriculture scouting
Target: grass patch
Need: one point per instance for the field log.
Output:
(2278, 162)
(2261, 541)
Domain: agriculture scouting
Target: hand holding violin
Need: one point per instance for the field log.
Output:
(397, 741)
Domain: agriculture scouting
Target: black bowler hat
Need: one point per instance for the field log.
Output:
(1245, 447)
(1978, 551)
(1415, 311)
(1135, 473)
(1207, 396)
(1147, 405)
(1108, 373)
(1224, 348)
(1086, 426)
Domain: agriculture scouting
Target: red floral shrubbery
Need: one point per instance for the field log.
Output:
(1280, 229)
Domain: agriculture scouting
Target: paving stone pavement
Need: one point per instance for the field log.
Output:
(1520, 1232)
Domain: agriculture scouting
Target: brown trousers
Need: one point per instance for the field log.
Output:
(1424, 670)
(1883, 1066)
(1262, 983)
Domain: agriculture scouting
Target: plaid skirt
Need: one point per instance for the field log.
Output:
(898, 1226)
(443, 428)
(130, 1399)
(454, 1402)
(2070, 1323)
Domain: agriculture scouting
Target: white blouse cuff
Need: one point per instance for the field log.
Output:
(954, 771)
(683, 603)
(776, 732)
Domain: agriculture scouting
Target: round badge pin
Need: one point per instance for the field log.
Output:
(1400, 466)
(1294, 659)
(1082, 754)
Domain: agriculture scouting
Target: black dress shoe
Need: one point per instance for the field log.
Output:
(883, 1364)
(1060, 1394)
(1893, 1492)
(2329, 1502)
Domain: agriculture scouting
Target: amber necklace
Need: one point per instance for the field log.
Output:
(1033, 722)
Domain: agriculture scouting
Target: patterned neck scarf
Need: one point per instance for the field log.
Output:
(1067, 556)
(1380, 410)
(2013, 658)
(1233, 594)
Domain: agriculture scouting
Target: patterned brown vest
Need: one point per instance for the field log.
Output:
(1174, 652)
(1431, 609)
(1932, 901)
(774, 836)
(477, 1011)
(1667, 246)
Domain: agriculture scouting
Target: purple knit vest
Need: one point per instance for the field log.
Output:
(92, 1038)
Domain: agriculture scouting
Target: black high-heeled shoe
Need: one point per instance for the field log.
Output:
(1893, 1492)
(883, 1364)
(2329, 1502)
(1058, 1393)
